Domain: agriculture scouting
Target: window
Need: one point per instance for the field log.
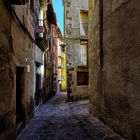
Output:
(82, 78)
(83, 23)
(83, 53)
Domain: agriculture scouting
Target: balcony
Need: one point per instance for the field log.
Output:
(41, 37)
(72, 32)
(42, 41)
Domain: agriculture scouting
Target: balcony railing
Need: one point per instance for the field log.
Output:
(42, 38)
(78, 32)
(73, 32)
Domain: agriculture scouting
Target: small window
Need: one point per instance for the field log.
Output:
(82, 78)
(83, 53)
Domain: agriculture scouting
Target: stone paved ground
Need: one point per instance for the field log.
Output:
(58, 120)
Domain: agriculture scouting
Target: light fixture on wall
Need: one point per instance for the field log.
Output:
(28, 68)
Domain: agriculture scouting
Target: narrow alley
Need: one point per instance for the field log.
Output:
(69, 70)
(61, 120)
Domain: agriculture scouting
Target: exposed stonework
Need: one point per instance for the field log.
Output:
(18, 54)
(73, 39)
(114, 68)
(26, 70)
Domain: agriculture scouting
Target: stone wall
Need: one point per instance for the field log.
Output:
(72, 40)
(72, 29)
(73, 57)
(16, 49)
(23, 57)
(114, 61)
(72, 17)
(7, 102)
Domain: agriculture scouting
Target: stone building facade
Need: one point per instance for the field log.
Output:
(61, 54)
(51, 51)
(16, 77)
(114, 62)
(54, 57)
(76, 40)
(24, 59)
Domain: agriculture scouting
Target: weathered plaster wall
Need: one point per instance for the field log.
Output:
(72, 17)
(7, 120)
(25, 14)
(73, 56)
(115, 75)
(15, 47)
(72, 39)
(94, 59)
(23, 56)
(72, 29)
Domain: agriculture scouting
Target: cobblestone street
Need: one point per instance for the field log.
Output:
(59, 120)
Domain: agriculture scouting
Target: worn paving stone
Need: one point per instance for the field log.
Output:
(59, 120)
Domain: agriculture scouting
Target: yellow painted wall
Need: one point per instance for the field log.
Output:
(62, 70)
(63, 73)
